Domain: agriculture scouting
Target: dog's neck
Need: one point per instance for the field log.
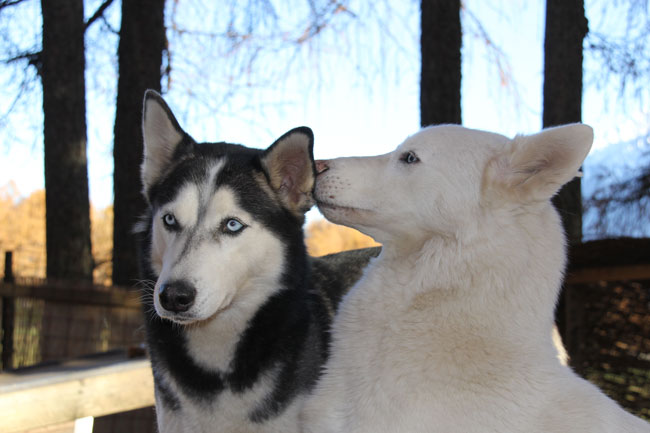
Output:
(479, 279)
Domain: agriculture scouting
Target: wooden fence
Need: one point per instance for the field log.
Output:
(68, 318)
(46, 326)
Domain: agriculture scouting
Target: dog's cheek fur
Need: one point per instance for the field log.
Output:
(244, 274)
(159, 244)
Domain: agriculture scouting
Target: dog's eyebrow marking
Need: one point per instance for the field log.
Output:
(209, 187)
(214, 172)
(185, 206)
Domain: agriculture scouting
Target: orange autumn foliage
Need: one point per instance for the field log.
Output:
(22, 231)
(322, 237)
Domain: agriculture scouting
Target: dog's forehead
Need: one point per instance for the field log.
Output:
(452, 138)
(433, 137)
(187, 179)
(197, 164)
(223, 203)
(231, 182)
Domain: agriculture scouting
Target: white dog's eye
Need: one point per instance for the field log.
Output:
(170, 221)
(232, 226)
(410, 158)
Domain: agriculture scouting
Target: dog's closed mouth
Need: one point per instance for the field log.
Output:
(330, 205)
(180, 319)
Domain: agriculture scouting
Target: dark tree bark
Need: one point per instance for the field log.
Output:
(566, 27)
(140, 51)
(66, 173)
(440, 44)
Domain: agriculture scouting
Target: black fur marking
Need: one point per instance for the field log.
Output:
(192, 161)
(333, 275)
(305, 349)
(168, 348)
(169, 399)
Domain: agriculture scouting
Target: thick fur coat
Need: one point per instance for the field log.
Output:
(449, 329)
(237, 314)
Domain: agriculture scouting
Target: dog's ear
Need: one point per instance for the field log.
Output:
(162, 136)
(289, 166)
(535, 167)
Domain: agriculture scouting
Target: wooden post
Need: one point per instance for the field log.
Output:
(574, 322)
(8, 313)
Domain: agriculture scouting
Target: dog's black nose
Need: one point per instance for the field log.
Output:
(176, 296)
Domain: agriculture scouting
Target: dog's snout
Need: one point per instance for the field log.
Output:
(321, 166)
(176, 296)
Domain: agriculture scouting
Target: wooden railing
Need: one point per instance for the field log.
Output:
(66, 391)
(55, 292)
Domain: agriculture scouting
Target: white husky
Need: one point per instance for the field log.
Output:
(449, 330)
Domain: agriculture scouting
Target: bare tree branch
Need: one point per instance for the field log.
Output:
(623, 56)
(22, 89)
(7, 3)
(99, 13)
(33, 59)
(620, 205)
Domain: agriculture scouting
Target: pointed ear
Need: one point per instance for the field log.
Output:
(162, 135)
(289, 165)
(534, 167)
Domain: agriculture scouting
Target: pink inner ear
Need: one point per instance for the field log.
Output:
(292, 176)
(290, 169)
(290, 172)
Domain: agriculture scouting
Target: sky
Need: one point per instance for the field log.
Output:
(357, 87)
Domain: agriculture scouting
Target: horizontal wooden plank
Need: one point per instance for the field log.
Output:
(610, 252)
(612, 273)
(41, 397)
(90, 295)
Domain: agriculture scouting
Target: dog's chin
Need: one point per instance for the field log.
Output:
(192, 318)
(180, 319)
(343, 214)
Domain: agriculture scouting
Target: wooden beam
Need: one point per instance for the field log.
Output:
(37, 397)
(70, 294)
(8, 316)
(611, 273)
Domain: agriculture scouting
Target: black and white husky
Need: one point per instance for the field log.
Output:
(237, 330)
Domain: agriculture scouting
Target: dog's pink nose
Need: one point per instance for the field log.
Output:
(321, 166)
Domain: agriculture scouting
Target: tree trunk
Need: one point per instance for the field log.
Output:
(140, 51)
(66, 173)
(440, 44)
(566, 27)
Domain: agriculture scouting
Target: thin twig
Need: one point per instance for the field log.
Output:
(99, 13)
(7, 3)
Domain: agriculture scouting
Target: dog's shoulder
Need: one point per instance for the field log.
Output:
(334, 274)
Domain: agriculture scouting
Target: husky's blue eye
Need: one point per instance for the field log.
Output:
(170, 220)
(410, 158)
(233, 226)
